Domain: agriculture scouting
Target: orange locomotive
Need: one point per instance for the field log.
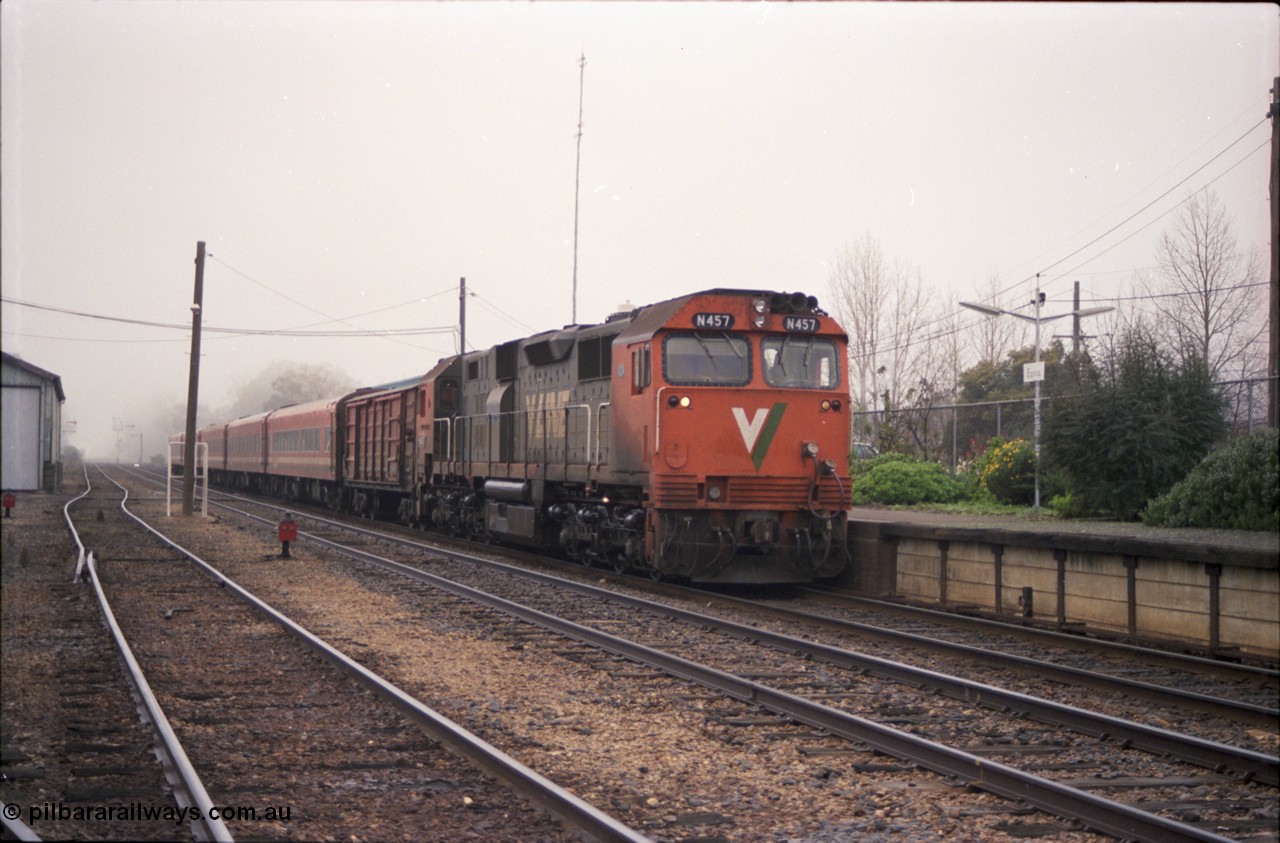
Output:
(703, 438)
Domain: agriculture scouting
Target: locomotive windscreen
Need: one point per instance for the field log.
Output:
(698, 359)
(803, 363)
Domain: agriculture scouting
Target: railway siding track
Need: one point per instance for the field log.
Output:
(986, 772)
(282, 735)
(72, 741)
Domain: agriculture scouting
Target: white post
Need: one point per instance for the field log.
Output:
(202, 449)
(1036, 466)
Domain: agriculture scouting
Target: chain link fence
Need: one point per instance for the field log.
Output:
(953, 434)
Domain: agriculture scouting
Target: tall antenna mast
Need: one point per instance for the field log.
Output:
(577, 171)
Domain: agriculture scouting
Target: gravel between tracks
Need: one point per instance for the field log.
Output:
(653, 752)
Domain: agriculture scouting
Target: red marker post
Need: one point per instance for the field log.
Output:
(288, 532)
(10, 501)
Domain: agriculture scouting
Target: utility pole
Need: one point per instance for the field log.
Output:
(462, 320)
(577, 172)
(1273, 357)
(1077, 336)
(193, 391)
(1075, 321)
(119, 426)
(460, 418)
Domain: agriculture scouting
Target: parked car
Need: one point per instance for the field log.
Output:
(864, 450)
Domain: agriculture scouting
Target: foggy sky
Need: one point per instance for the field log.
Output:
(346, 163)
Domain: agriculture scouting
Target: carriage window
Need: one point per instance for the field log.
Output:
(705, 358)
(801, 362)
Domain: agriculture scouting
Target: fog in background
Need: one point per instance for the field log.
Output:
(347, 163)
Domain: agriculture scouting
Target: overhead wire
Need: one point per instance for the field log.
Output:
(1256, 104)
(266, 332)
(1247, 156)
(956, 328)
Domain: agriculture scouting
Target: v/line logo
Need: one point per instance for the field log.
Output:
(758, 432)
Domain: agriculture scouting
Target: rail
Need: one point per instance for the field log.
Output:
(526, 781)
(1061, 800)
(188, 789)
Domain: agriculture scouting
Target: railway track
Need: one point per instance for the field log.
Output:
(787, 679)
(1237, 693)
(81, 750)
(1253, 686)
(291, 747)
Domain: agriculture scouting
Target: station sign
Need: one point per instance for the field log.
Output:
(1032, 372)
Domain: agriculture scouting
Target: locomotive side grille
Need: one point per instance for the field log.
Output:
(674, 492)
(751, 492)
(783, 492)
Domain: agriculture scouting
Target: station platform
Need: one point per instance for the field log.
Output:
(1205, 589)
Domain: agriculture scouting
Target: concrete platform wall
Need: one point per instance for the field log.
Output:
(1060, 580)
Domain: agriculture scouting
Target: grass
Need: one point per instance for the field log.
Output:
(972, 507)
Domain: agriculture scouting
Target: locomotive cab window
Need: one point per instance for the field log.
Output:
(801, 362)
(706, 359)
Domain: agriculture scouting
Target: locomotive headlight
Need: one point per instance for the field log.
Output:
(684, 401)
(714, 492)
(759, 306)
(825, 405)
(678, 401)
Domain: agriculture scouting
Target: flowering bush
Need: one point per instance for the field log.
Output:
(1007, 471)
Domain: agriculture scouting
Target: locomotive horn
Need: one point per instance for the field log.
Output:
(798, 301)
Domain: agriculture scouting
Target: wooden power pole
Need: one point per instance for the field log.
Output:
(193, 391)
(1273, 362)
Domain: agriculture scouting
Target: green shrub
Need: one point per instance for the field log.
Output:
(1233, 488)
(1141, 421)
(904, 481)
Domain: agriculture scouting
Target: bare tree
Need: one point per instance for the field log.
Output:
(281, 383)
(883, 307)
(1206, 292)
(308, 383)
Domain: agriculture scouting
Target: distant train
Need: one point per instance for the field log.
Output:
(703, 438)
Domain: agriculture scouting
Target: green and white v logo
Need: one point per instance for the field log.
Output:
(757, 434)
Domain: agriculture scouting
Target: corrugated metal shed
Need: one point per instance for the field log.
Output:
(31, 418)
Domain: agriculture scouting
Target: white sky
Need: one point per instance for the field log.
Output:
(349, 158)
